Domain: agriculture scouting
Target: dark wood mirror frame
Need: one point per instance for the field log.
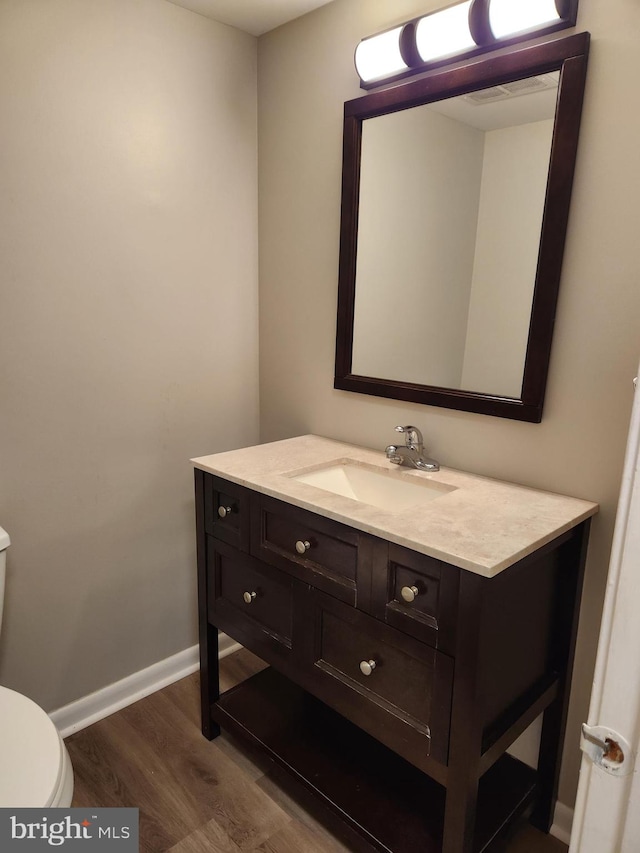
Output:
(569, 55)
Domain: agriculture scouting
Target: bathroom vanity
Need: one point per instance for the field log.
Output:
(415, 625)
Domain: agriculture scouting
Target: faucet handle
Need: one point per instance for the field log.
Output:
(412, 435)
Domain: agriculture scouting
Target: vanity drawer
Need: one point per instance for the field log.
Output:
(317, 550)
(416, 594)
(227, 511)
(252, 602)
(394, 687)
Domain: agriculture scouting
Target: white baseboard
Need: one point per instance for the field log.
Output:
(562, 823)
(226, 646)
(83, 712)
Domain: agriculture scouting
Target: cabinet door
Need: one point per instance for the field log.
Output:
(394, 687)
(321, 552)
(416, 594)
(227, 511)
(251, 602)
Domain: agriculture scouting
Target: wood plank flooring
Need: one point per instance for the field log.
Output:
(197, 796)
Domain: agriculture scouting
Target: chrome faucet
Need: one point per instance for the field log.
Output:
(412, 454)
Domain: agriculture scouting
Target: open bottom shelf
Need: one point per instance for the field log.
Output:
(371, 793)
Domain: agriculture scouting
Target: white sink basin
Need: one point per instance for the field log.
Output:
(391, 490)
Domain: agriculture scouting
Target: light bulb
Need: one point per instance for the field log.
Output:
(444, 33)
(508, 17)
(379, 56)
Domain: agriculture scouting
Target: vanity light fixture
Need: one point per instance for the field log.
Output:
(462, 30)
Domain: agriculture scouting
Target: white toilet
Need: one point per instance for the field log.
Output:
(35, 768)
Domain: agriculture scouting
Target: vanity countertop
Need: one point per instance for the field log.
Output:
(481, 525)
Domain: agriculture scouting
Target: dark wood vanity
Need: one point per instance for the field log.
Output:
(397, 681)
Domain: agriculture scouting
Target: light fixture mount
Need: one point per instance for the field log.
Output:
(408, 47)
(457, 32)
(479, 23)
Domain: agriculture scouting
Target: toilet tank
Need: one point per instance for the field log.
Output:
(4, 544)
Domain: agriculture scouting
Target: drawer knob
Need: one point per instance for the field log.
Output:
(224, 511)
(302, 547)
(409, 593)
(367, 666)
(249, 597)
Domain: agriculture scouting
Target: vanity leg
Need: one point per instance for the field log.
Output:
(548, 765)
(460, 816)
(573, 559)
(466, 725)
(209, 681)
(208, 635)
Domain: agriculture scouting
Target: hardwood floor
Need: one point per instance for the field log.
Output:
(197, 796)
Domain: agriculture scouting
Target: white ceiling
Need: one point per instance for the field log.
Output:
(252, 16)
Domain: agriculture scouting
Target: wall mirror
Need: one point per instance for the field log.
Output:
(455, 201)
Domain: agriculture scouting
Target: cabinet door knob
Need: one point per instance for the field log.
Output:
(249, 597)
(302, 547)
(224, 511)
(409, 593)
(367, 666)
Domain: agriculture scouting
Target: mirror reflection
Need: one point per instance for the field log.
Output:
(451, 203)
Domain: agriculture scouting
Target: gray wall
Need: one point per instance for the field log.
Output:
(305, 73)
(128, 238)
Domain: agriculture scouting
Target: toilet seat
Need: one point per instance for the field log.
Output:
(35, 771)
